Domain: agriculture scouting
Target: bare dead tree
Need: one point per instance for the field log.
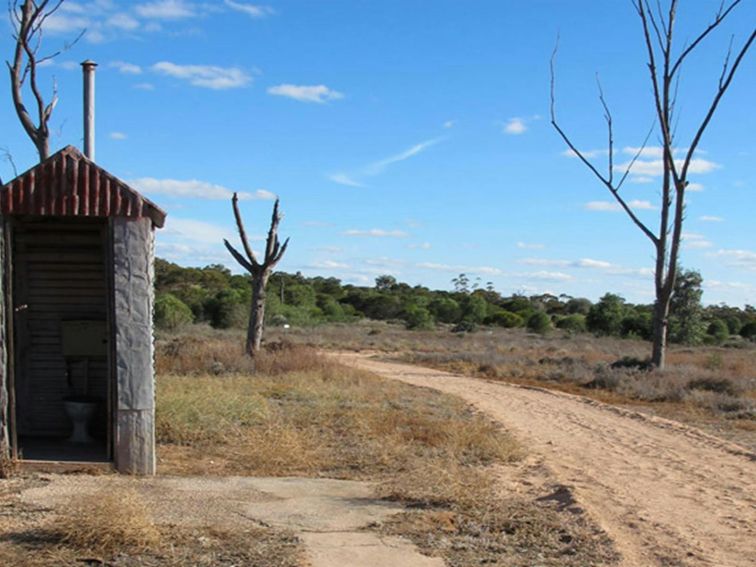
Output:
(28, 20)
(260, 272)
(665, 68)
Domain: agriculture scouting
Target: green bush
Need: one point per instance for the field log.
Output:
(505, 319)
(605, 317)
(539, 322)
(637, 325)
(417, 317)
(171, 313)
(573, 323)
(718, 331)
(748, 331)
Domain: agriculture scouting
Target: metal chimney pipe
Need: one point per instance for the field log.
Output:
(88, 67)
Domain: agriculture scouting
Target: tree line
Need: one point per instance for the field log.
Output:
(213, 295)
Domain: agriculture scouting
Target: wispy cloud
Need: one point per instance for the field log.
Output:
(586, 153)
(319, 94)
(420, 246)
(457, 268)
(166, 10)
(344, 179)
(197, 230)
(655, 167)
(206, 76)
(252, 10)
(117, 136)
(710, 218)
(194, 188)
(449, 124)
(377, 233)
(695, 241)
(612, 207)
(515, 126)
(378, 167)
(126, 68)
(745, 259)
(588, 264)
(530, 246)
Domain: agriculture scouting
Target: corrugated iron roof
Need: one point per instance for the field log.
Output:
(67, 184)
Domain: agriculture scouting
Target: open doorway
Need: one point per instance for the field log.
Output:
(61, 361)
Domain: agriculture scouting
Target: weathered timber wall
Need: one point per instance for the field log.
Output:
(4, 398)
(133, 269)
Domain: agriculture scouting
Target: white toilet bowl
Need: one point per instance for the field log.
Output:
(80, 413)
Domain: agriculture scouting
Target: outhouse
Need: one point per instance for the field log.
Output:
(76, 342)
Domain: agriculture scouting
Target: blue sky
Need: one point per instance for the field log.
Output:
(407, 137)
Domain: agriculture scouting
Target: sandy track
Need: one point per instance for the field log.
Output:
(666, 494)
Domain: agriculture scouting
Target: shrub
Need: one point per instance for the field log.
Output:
(171, 313)
(605, 318)
(748, 331)
(505, 319)
(417, 317)
(718, 385)
(539, 322)
(637, 325)
(573, 323)
(718, 331)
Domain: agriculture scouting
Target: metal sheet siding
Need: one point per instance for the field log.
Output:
(67, 184)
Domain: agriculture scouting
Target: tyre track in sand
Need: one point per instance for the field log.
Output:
(667, 494)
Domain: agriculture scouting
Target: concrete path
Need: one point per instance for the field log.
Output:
(328, 515)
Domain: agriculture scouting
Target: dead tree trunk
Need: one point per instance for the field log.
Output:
(664, 67)
(28, 20)
(260, 272)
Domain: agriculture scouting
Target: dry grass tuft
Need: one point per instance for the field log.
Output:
(108, 522)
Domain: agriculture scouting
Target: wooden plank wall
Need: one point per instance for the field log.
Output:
(59, 274)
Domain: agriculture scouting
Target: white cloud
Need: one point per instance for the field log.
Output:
(588, 154)
(117, 136)
(126, 68)
(306, 93)
(329, 265)
(485, 270)
(61, 22)
(145, 86)
(377, 233)
(588, 264)
(737, 258)
(196, 230)
(379, 166)
(420, 246)
(344, 179)
(547, 276)
(449, 124)
(695, 187)
(206, 76)
(610, 206)
(252, 10)
(655, 167)
(710, 218)
(190, 254)
(649, 152)
(530, 246)
(641, 179)
(166, 10)
(123, 22)
(693, 240)
(193, 188)
(515, 126)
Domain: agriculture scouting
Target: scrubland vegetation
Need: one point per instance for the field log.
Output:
(212, 295)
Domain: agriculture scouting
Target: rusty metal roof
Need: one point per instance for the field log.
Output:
(67, 184)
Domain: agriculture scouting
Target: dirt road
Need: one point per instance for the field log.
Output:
(666, 494)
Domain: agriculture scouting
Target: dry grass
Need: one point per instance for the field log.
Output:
(710, 387)
(115, 528)
(319, 418)
(108, 522)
